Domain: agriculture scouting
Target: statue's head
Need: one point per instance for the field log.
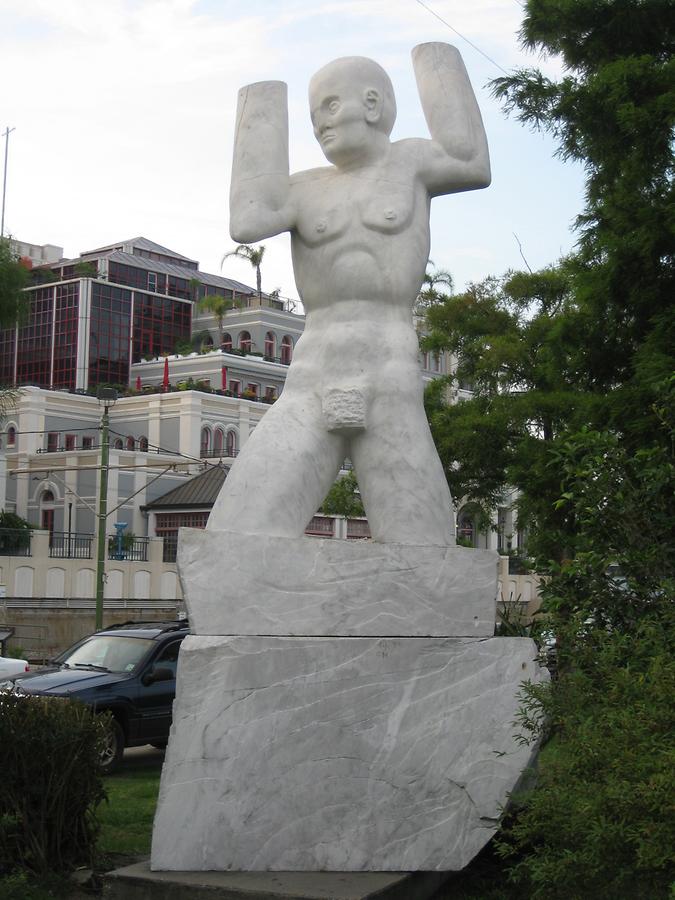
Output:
(352, 106)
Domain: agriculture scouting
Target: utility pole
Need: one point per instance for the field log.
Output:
(6, 135)
(107, 396)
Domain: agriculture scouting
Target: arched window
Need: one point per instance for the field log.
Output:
(205, 445)
(245, 341)
(130, 443)
(286, 350)
(231, 443)
(118, 445)
(270, 344)
(11, 436)
(218, 441)
(227, 342)
(143, 444)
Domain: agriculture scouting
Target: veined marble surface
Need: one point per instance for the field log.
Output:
(255, 584)
(339, 754)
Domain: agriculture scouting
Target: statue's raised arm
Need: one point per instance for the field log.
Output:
(259, 193)
(456, 158)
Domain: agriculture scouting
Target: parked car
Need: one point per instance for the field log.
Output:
(9, 667)
(128, 670)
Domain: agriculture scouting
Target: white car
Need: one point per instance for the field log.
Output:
(10, 667)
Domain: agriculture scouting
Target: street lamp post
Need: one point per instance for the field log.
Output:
(107, 396)
(6, 135)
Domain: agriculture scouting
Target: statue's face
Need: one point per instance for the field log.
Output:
(339, 115)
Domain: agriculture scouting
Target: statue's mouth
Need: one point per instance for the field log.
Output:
(328, 137)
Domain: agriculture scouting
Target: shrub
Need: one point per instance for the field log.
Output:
(50, 785)
(600, 821)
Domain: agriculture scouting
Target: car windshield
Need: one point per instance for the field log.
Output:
(111, 653)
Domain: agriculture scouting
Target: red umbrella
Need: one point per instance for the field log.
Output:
(139, 384)
(165, 380)
(223, 373)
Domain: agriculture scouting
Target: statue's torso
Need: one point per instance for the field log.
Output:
(361, 235)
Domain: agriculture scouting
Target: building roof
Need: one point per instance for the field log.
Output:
(200, 491)
(153, 265)
(142, 244)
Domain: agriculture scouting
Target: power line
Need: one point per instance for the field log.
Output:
(459, 34)
(159, 449)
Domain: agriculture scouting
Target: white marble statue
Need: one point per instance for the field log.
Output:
(360, 242)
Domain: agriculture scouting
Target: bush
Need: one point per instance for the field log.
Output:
(50, 784)
(15, 532)
(600, 821)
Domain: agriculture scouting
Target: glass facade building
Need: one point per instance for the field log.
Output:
(89, 319)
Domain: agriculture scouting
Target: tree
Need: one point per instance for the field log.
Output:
(254, 256)
(588, 341)
(219, 306)
(430, 294)
(13, 279)
(343, 499)
(600, 821)
(614, 113)
(516, 342)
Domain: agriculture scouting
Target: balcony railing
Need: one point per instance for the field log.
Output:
(70, 546)
(321, 525)
(134, 550)
(223, 453)
(357, 528)
(15, 542)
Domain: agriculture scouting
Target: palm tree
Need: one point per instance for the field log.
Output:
(255, 257)
(219, 306)
(430, 294)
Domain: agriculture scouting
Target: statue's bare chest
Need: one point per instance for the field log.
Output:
(337, 205)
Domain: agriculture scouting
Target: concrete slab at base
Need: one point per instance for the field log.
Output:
(138, 882)
(257, 584)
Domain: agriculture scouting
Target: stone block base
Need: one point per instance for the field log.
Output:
(256, 584)
(339, 754)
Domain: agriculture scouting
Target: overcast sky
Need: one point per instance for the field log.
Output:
(124, 116)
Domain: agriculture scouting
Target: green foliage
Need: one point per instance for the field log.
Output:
(614, 113)
(588, 342)
(600, 822)
(13, 279)
(86, 269)
(517, 343)
(50, 785)
(343, 499)
(219, 306)
(21, 886)
(254, 256)
(15, 532)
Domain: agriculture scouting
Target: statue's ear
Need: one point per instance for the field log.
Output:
(372, 100)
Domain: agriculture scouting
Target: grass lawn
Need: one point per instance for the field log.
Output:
(126, 819)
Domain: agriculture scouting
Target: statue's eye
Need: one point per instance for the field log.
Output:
(333, 106)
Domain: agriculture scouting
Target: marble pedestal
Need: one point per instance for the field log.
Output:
(336, 752)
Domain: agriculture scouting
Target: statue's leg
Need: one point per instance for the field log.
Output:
(404, 490)
(282, 474)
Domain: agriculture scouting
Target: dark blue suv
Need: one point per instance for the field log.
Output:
(128, 670)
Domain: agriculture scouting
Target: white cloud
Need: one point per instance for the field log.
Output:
(124, 113)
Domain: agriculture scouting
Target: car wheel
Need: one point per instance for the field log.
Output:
(113, 747)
